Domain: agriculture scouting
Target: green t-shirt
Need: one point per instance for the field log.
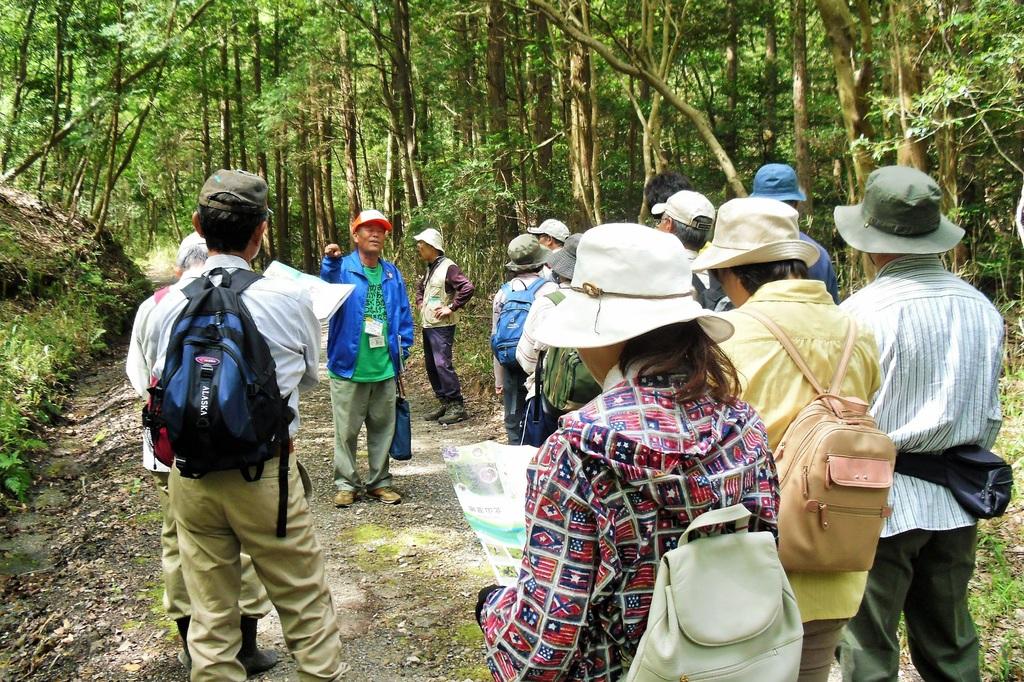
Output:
(373, 362)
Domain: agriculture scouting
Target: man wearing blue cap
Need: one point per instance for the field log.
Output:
(778, 181)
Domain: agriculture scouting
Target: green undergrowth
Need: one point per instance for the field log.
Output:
(64, 292)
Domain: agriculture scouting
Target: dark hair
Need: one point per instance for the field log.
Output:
(228, 232)
(684, 349)
(692, 238)
(663, 185)
(753, 276)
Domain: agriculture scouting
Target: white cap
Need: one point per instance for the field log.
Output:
(431, 237)
(555, 229)
(686, 206)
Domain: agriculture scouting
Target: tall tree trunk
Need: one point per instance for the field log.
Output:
(543, 130)
(801, 148)
(225, 104)
(304, 182)
(314, 153)
(239, 110)
(730, 138)
(269, 243)
(402, 70)
(583, 138)
(497, 105)
(19, 84)
(284, 251)
(327, 174)
(842, 37)
(913, 150)
(100, 210)
(348, 120)
(204, 106)
(60, 24)
(771, 84)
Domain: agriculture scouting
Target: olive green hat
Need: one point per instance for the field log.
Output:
(235, 191)
(525, 254)
(900, 214)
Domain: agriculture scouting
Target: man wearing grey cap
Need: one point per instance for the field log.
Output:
(221, 512)
(940, 343)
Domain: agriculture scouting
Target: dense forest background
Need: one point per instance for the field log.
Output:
(484, 116)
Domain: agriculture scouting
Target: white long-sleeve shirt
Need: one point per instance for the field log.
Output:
(940, 344)
(282, 312)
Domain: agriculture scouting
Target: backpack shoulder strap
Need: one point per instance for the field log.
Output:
(787, 344)
(535, 286)
(844, 361)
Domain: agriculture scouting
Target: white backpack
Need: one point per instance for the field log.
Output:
(722, 610)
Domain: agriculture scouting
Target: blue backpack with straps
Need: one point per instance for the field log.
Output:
(511, 320)
(217, 401)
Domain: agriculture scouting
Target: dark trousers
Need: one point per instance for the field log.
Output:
(924, 575)
(437, 353)
(513, 393)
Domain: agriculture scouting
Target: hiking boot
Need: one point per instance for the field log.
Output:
(183, 656)
(436, 413)
(344, 498)
(254, 659)
(455, 413)
(386, 495)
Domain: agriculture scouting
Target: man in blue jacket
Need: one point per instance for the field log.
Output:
(368, 340)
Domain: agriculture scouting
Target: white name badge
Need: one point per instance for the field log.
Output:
(376, 342)
(374, 327)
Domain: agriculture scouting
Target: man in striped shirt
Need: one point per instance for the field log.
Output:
(940, 343)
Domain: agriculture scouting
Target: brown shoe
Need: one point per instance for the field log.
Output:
(344, 498)
(386, 495)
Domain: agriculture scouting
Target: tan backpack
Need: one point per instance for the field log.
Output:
(835, 470)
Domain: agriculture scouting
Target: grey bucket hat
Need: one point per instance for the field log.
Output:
(900, 214)
(525, 253)
(563, 261)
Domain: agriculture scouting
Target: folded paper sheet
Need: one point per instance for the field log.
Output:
(327, 297)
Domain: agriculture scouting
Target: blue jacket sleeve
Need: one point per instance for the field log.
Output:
(405, 326)
(330, 270)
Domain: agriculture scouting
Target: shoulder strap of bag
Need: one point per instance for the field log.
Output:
(535, 286)
(787, 344)
(844, 361)
(736, 514)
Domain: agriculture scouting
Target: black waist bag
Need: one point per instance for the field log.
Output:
(979, 479)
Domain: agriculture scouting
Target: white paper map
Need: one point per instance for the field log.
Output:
(490, 482)
(327, 297)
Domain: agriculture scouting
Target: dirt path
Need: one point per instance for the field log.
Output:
(80, 578)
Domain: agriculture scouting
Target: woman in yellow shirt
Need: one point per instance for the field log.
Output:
(762, 264)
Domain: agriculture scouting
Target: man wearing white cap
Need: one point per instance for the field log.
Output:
(443, 290)
(689, 216)
(763, 264)
(551, 234)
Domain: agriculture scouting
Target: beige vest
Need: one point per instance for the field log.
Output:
(434, 295)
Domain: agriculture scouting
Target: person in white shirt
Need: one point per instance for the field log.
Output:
(940, 343)
(219, 513)
(253, 602)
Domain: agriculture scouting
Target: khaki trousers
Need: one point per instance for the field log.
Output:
(821, 637)
(253, 601)
(218, 514)
(354, 403)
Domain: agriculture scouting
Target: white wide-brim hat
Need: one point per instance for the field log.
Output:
(629, 280)
(431, 237)
(755, 230)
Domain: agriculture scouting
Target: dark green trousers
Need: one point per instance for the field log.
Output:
(924, 575)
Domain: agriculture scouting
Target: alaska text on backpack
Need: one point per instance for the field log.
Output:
(217, 399)
(835, 470)
(511, 320)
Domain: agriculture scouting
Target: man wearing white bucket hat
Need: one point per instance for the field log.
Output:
(439, 295)
(762, 263)
(665, 433)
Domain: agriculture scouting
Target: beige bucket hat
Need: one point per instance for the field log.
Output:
(755, 230)
(628, 280)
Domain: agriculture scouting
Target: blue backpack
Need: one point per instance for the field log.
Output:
(217, 401)
(511, 320)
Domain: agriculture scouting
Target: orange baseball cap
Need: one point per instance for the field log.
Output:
(371, 217)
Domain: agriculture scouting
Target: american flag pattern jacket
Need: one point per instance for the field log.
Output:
(608, 494)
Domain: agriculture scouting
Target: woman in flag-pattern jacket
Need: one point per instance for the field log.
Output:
(611, 491)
